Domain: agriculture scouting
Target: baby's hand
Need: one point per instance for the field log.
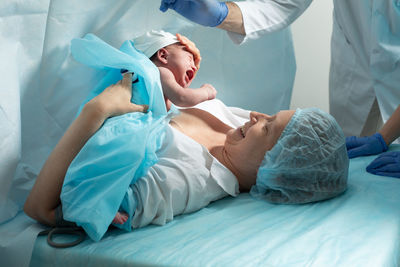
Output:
(211, 92)
(120, 218)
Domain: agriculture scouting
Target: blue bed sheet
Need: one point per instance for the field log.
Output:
(359, 228)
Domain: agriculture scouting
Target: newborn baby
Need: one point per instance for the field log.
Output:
(177, 65)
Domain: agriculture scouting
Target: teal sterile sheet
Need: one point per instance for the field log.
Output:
(359, 228)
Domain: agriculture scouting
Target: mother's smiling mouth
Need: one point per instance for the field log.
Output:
(242, 131)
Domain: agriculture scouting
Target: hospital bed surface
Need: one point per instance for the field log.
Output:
(358, 228)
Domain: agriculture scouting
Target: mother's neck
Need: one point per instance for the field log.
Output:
(209, 131)
(244, 179)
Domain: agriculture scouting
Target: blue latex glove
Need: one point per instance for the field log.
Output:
(365, 146)
(387, 164)
(205, 12)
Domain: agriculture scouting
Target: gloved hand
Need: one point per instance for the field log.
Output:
(365, 146)
(387, 164)
(205, 12)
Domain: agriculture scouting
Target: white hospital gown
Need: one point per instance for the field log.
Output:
(185, 179)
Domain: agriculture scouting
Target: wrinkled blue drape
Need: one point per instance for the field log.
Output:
(123, 149)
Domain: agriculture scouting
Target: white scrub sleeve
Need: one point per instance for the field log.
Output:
(264, 16)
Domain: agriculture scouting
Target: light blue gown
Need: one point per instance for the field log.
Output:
(123, 149)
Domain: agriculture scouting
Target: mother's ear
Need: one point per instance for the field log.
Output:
(162, 55)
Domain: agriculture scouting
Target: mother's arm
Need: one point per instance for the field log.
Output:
(45, 194)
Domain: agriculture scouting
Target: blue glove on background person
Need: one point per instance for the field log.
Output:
(365, 146)
(386, 164)
(205, 12)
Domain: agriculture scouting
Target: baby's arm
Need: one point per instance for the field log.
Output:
(184, 97)
(45, 194)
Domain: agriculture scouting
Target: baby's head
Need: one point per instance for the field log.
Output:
(308, 163)
(165, 50)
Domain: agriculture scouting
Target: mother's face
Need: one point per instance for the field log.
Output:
(247, 145)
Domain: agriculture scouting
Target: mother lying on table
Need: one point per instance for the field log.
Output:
(291, 157)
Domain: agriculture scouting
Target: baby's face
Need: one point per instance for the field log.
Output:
(246, 146)
(181, 64)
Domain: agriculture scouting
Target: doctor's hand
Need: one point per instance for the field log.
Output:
(386, 164)
(191, 47)
(116, 99)
(205, 12)
(365, 146)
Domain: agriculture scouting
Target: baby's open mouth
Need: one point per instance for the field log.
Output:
(190, 74)
(242, 131)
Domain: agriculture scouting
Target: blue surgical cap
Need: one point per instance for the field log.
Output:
(308, 163)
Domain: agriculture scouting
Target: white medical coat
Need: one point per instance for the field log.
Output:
(365, 52)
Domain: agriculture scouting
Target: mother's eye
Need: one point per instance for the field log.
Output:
(265, 129)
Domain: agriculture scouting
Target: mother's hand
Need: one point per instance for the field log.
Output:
(116, 99)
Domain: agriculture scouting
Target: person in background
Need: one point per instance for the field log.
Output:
(386, 164)
(364, 74)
